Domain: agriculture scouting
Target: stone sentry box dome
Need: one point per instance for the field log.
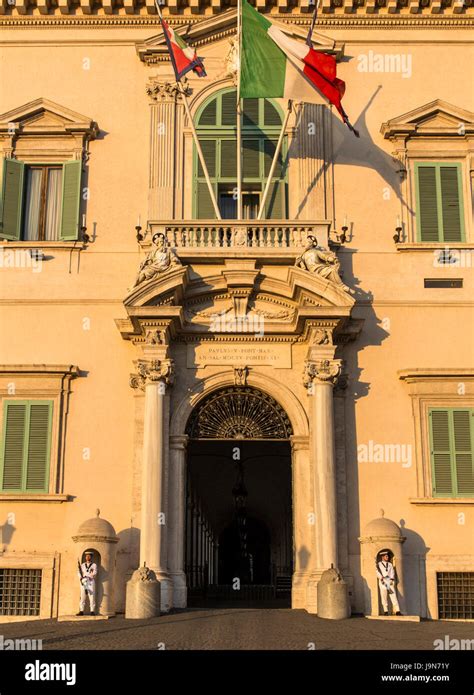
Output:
(99, 535)
(379, 534)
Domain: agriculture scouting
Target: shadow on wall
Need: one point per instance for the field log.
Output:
(127, 561)
(414, 559)
(349, 150)
(8, 529)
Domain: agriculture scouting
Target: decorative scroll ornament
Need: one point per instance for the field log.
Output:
(152, 371)
(322, 371)
(158, 261)
(232, 60)
(239, 413)
(322, 262)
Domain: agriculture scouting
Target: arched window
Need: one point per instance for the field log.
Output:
(216, 125)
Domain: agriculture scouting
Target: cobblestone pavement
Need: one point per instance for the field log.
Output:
(237, 628)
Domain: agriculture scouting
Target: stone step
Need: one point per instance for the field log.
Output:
(401, 618)
(76, 618)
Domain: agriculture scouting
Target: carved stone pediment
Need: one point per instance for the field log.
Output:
(433, 119)
(44, 117)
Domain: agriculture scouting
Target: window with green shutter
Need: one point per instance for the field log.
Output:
(26, 446)
(216, 127)
(40, 202)
(439, 208)
(452, 451)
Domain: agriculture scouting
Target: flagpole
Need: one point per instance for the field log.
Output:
(239, 114)
(182, 91)
(275, 160)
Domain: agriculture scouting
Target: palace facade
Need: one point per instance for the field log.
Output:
(267, 398)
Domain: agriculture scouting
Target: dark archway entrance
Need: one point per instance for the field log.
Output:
(239, 533)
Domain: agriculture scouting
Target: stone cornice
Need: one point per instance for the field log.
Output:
(441, 374)
(391, 14)
(39, 369)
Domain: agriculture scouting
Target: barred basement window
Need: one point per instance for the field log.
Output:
(455, 594)
(20, 592)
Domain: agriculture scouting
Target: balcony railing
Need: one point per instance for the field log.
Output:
(249, 237)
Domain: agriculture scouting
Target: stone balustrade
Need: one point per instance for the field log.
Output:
(265, 237)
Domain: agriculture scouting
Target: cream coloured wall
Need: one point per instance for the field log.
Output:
(43, 313)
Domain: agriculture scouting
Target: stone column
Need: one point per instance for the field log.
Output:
(320, 377)
(165, 198)
(155, 376)
(176, 514)
(303, 520)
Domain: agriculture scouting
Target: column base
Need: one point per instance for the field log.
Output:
(166, 590)
(299, 586)
(180, 590)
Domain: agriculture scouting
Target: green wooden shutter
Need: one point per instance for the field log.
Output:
(39, 433)
(209, 114)
(26, 446)
(14, 445)
(205, 208)
(228, 159)
(250, 112)
(269, 153)
(275, 203)
(441, 453)
(71, 200)
(450, 202)
(251, 159)
(229, 109)
(427, 202)
(463, 450)
(209, 151)
(11, 204)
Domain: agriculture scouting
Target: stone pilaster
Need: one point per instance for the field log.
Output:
(165, 198)
(312, 147)
(303, 519)
(177, 510)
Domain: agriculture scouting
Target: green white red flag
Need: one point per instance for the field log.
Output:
(276, 65)
(183, 57)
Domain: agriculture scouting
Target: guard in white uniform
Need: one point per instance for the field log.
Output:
(87, 573)
(386, 577)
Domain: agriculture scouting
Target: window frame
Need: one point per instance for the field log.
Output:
(418, 164)
(219, 133)
(24, 466)
(452, 450)
(44, 187)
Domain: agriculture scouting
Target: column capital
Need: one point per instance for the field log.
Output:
(323, 371)
(164, 92)
(152, 372)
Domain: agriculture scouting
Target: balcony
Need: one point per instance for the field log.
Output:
(280, 240)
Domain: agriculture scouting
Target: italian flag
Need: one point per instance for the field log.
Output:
(275, 65)
(183, 57)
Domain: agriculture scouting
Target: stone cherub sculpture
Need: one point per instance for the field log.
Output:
(160, 259)
(325, 263)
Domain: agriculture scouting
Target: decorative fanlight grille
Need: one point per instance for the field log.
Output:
(239, 413)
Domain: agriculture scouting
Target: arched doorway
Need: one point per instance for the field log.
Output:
(239, 531)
